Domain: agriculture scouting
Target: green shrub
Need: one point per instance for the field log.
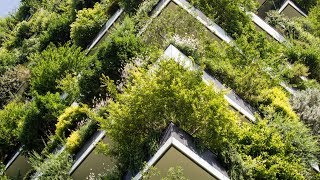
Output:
(306, 5)
(8, 59)
(227, 13)
(57, 32)
(314, 17)
(307, 54)
(78, 137)
(11, 121)
(70, 86)
(130, 5)
(277, 149)
(72, 117)
(275, 100)
(54, 64)
(53, 166)
(118, 49)
(170, 93)
(88, 24)
(41, 117)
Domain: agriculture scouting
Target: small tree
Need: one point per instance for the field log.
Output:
(54, 64)
(119, 48)
(156, 97)
(40, 119)
(88, 24)
(11, 121)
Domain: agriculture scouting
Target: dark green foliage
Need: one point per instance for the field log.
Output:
(89, 83)
(40, 119)
(130, 5)
(314, 17)
(88, 24)
(306, 5)
(57, 32)
(227, 13)
(118, 49)
(54, 64)
(80, 4)
(8, 59)
(308, 55)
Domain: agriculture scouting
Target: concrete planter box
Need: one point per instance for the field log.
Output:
(177, 148)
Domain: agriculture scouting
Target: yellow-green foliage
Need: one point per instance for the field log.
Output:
(73, 141)
(88, 24)
(69, 118)
(275, 100)
(152, 100)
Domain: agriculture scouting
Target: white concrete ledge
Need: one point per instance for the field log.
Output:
(234, 100)
(105, 29)
(13, 158)
(186, 151)
(266, 27)
(290, 3)
(197, 14)
(100, 135)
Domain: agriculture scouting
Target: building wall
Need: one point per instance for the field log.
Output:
(18, 168)
(291, 12)
(174, 158)
(93, 164)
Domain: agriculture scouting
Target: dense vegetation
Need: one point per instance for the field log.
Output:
(121, 87)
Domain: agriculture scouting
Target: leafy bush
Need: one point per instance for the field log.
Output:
(275, 100)
(278, 149)
(53, 166)
(77, 138)
(314, 17)
(308, 55)
(88, 24)
(54, 64)
(41, 117)
(8, 59)
(72, 117)
(130, 5)
(11, 121)
(305, 43)
(227, 13)
(70, 86)
(170, 93)
(307, 105)
(118, 49)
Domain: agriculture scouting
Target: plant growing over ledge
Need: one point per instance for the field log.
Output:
(228, 14)
(40, 119)
(72, 117)
(52, 166)
(11, 121)
(156, 97)
(54, 64)
(119, 48)
(88, 23)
